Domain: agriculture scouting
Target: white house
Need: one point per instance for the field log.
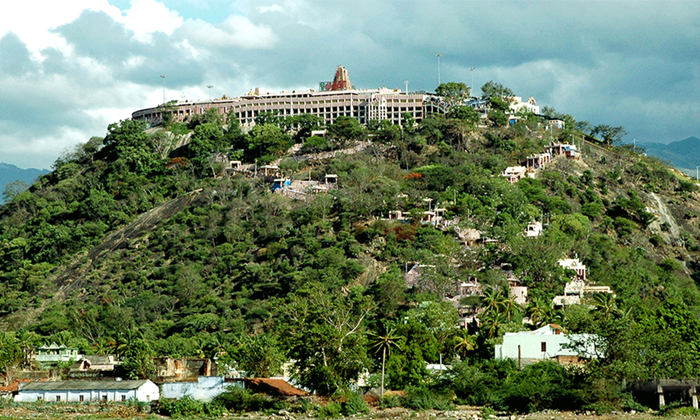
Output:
(517, 105)
(87, 391)
(514, 173)
(534, 229)
(546, 343)
(576, 265)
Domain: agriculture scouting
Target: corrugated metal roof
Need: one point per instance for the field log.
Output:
(81, 385)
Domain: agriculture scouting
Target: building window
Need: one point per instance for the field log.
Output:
(543, 346)
(123, 397)
(81, 398)
(58, 398)
(104, 398)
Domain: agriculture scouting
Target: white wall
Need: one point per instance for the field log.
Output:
(147, 392)
(205, 389)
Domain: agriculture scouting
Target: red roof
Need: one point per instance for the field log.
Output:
(278, 387)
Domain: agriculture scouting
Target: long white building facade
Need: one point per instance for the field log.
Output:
(88, 391)
(340, 100)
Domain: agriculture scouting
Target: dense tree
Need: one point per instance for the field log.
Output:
(346, 129)
(127, 143)
(453, 92)
(266, 142)
(609, 134)
(491, 89)
(326, 337)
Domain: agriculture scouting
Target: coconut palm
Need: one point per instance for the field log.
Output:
(493, 297)
(539, 312)
(383, 342)
(509, 307)
(464, 343)
(604, 305)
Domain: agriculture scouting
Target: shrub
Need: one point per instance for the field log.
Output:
(656, 240)
(390, 401)
(186, 406)
(239, 399)
(355, 404)
(330, 410)
(481, 384)
(543, 385)
(423, 398)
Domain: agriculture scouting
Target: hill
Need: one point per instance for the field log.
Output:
(151, 243)
(11, 173)
(684, 154)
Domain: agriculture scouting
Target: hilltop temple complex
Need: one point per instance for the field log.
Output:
(334, 99)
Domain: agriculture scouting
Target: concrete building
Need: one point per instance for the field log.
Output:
(54, 353)
(534, 229)
(87, 391)
(95, 363)
(538, 160)
(517, 105)
(576, 265)
(169, 369)
(576, 290)
(336, 99)
(546, 343)
(514, 174)
(566, 149)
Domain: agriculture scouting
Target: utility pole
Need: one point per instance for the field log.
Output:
(162, 76)
(438, 57)
(471, 70)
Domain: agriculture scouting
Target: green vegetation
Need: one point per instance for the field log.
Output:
(133, 246)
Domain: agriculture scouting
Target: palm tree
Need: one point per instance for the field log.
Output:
(492, 300)
(604, 305)
(464, 343)
(509, 307)
(539, 312)
(491, 323)
(383, 342)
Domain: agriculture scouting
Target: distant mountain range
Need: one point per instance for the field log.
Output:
(11, 173)
(684, 154)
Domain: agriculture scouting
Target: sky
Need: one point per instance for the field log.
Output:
(69, 68)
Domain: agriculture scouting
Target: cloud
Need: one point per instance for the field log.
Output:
(235, 32)
(77, 66)
(148, 16)
(267, 9)
(15, 58)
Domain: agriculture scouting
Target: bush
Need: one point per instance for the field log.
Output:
(423, 398)
(330, 410)
(355, 404)
(390, 401)
(543, 385)
(302, 405)
(186, 406)
(481, 384)
(239, 399)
